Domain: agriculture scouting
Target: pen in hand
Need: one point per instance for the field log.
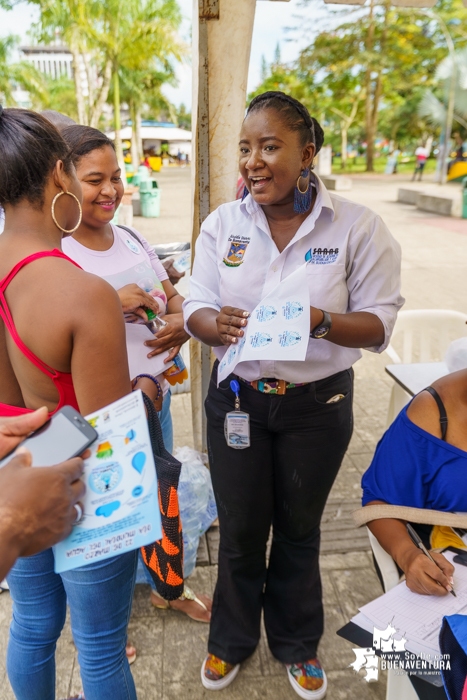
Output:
(418, 543)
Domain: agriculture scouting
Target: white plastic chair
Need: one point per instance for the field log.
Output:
(398, 687)
(425, 335)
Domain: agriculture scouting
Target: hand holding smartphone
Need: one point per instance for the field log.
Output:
(67, 434)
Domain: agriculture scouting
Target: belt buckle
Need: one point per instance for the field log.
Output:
(267, 388)
(281, 387)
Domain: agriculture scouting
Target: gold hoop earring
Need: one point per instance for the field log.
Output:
(52, 211)
(298, 185)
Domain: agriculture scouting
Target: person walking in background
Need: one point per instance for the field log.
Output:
(300, 413)
(421, 155)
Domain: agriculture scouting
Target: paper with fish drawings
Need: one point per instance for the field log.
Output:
(121, 510)
(278, 328)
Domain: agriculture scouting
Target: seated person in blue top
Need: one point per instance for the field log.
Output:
(421, 462)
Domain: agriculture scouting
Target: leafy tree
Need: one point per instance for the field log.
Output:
(21, 73)
(183, 117)
(92, 70)
(60, 96)
(139, 36)
(432, 105)
(140, 88)
(109, 38)
(369, 68)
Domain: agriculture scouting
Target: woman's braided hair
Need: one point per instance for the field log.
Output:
(295, 115)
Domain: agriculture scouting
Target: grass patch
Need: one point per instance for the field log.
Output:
(358, 165)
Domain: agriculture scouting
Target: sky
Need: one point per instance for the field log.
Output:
(271, 21)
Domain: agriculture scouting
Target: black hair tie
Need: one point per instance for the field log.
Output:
(301, 109)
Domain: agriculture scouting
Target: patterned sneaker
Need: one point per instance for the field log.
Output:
(308, 679)
(217, 674)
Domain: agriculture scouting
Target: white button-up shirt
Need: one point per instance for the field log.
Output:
(352, 264)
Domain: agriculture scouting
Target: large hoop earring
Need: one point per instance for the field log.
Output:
(52, 211)
(302, 198)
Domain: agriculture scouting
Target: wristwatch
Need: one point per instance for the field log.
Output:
(323, 328)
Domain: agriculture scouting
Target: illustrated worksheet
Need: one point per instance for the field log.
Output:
(278, 328)
(121, 510)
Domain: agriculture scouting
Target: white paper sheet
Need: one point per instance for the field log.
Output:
(418, 617)
(278, 328)
(138, 360)
(120, 505)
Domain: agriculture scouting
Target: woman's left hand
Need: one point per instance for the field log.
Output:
(171, 337)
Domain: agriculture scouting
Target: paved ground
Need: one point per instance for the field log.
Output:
(170, 647)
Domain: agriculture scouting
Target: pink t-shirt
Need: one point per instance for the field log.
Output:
(125, 262)
(421, 154)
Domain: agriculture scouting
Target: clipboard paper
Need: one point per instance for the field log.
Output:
(417, 618)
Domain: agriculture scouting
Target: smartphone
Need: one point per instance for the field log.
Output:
(67, 434)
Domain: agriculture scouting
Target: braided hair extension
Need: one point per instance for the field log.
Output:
(294, 113)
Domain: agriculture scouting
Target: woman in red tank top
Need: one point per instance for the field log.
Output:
(62, 340)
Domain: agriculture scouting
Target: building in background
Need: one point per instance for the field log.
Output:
(54, 61)
(160, 136)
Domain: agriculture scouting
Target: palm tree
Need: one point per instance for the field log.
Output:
(21, 73)
(76, 21)
(140, 38)
(433, 108)
(140, 88)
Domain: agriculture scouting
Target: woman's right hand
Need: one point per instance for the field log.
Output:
(134, 300)
(230, 322)
(424, 577)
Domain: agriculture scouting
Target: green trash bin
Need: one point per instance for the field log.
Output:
(464, 198)
(150, 202)
(144, 172)
(147, 185)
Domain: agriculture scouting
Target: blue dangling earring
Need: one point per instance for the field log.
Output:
(302, 199)
(245, 192)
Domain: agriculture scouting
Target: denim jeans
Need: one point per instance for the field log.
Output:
(165, 418)
(298, 441)
(99, 596)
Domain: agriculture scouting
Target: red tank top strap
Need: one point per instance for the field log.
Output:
(6, 314)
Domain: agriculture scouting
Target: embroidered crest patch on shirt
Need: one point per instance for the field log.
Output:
(236, 253)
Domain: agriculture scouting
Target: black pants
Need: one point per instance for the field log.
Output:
(298, 442)
(426, 691)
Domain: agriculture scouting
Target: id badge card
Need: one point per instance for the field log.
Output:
(237, 430)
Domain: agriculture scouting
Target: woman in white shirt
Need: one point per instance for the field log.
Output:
(300, 412)
(126, 260)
